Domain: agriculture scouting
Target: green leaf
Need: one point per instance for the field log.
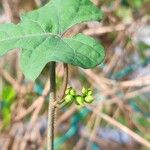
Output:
(8, 94)
(6, 113)
(39, 35)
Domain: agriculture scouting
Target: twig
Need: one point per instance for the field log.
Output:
(105, 29)
(137, 92)
(12, 81)
(142, 81)
(37, 103)
(66, 115)
(12, 10)
(89, 125)
(122, 127)
(96, 124)
(115, 6)
(29, 110)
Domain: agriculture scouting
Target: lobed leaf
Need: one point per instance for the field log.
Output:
(39, 36)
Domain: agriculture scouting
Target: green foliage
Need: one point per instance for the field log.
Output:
(125, 14)
(8, 95)
(39, 35)
(136, 4)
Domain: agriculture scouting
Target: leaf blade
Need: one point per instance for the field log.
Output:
(39, 36)
(76, 51)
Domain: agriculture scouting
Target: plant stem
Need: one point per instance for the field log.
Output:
(51, 108)
(62, 90)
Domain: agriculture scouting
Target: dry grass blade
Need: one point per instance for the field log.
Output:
(122, 127)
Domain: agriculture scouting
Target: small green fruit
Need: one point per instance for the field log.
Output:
(84, 91)
(79, 100)
(72, 92)
(67, 91)
(89, 99)
(90, 92)
(69, 98)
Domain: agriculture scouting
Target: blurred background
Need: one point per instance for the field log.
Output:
(119, 117)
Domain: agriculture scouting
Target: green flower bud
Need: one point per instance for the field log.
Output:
(84, 91)
(89, 99)
(72, 92)
(68, 90)
(79, 100)
(69, 98)
(90, 92)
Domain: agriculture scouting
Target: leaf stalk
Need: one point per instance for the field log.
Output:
(51, 108)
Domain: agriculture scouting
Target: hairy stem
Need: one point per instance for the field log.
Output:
(51, 108)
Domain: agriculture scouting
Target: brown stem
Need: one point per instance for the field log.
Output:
(64, 84)
(51, 108)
